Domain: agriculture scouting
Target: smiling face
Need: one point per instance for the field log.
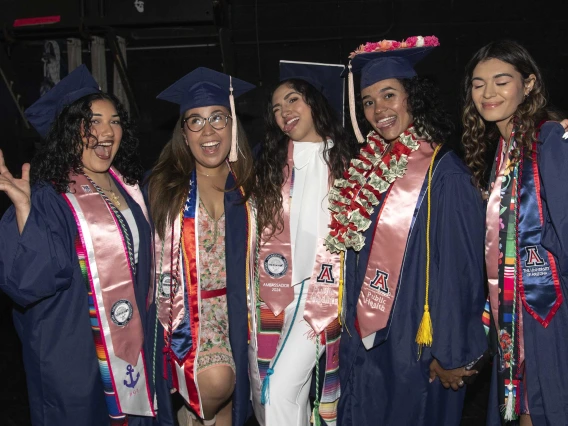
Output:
(106, 130)
(497, 89)
(385, 105)
(293, 115)
(209, 147)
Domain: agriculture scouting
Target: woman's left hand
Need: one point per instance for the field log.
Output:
(449, 378)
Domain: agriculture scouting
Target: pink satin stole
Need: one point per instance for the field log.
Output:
(389, 244)
(492, 235)
(113, 270)
(167, 258)
(276, 255)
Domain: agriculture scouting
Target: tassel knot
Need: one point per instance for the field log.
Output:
(509, 409)
(265, 392)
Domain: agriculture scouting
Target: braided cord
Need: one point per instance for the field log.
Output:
(157, 319)
(315, 413)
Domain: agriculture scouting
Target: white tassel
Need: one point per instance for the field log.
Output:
(234, 154)
(509, 409)
(352, 113)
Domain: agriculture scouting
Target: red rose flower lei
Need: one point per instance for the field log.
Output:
(353, 198)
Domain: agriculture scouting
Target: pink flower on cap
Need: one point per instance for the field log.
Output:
(370, 47)
(411, 41)
(431, 41)
(385, 45)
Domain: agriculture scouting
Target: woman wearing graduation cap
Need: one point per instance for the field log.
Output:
(75, 256)
(294, 300)
(203, 239)
(411, 221)
(525, 227)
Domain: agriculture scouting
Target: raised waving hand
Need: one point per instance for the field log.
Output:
(18, 190)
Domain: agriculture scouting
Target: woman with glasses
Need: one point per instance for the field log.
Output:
(202, 233)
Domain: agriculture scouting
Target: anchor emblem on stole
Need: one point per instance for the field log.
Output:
(129, 371)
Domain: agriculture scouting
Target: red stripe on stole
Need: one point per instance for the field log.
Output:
(189, 248)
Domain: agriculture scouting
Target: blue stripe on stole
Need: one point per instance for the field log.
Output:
(539, 283)
(181, 337)
(191, 201)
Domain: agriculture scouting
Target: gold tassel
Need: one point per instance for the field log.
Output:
(425, 334)
(340, 290)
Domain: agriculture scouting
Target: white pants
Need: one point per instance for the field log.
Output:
(288, 402)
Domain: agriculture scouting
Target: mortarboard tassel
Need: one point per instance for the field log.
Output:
(425, 334)
(352, 113)
(233, 155)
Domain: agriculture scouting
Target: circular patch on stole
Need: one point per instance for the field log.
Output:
(275, 265)
(121, 312)
(165, 285)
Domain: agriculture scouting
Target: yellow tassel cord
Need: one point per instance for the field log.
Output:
(340, 290)
(425, 334)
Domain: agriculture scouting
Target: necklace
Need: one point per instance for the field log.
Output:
(115, 198)
(208, 175)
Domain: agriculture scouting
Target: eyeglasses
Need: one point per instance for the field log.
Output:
(217, 120)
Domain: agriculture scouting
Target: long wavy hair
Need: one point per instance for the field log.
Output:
(272, 160)
(63, 149)
(479, 135)
(168, 183)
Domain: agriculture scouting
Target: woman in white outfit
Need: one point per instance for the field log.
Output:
(294, 299)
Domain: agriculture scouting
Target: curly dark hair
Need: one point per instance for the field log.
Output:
(63, 148)
(269, 168)
(430, 118)
(479, 135)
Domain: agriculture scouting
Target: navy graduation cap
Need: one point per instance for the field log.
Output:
(378, 66)
(42, 113)
(324, 77)
(205, 87)
(383, 60)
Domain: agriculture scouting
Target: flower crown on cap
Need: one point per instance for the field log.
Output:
(387, 45)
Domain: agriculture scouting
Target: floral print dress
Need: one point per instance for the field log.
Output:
(214, 346)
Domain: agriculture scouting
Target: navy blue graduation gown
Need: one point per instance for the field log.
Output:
(388, 385)
(236, 246)
(546, 349)
(39, 271)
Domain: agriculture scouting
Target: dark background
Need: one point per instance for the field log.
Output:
(247, 38)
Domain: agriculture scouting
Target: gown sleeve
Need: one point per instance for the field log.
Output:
(553, 170)
(39, 262)
(457, 291)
